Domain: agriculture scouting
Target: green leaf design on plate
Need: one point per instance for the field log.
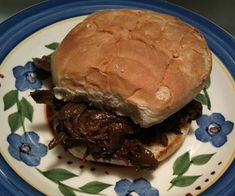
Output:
(58, 174)
(94, 187)
(26, 109)
(52, 46)
(183, 181)
(10, 99)
(181, 164)
(15, 121)
(202, 99)
(208, 99)
(65, 190)
(208, 83)
(201, 159)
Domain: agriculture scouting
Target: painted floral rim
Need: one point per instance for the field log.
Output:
(26, 148)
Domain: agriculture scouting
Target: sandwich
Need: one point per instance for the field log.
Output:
(124, 83)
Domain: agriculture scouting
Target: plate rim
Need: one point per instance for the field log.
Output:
(222, 42)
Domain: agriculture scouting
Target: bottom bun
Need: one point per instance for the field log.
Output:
(160, 152)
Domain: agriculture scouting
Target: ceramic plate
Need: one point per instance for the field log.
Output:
(29, 168)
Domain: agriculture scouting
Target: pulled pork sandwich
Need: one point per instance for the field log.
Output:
(124, 86)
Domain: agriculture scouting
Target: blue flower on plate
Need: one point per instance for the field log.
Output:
(26, 148)
(26, 77)
(141, 186)
(213, 128)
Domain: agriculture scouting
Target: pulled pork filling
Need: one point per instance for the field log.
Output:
(108, 135)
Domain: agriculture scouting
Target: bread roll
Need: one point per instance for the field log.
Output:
(138, 63)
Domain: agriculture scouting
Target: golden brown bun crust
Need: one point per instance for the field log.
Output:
(140, 63)
(160, 152)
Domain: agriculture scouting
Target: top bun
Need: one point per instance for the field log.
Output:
(138, 63)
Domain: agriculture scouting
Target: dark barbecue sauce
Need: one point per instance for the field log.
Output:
(107, 135)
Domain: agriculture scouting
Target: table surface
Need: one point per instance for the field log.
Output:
(220, 12)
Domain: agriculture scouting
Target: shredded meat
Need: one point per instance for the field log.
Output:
(44, 62)
(108, 135)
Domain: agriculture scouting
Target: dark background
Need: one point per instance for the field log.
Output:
(221, 12)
